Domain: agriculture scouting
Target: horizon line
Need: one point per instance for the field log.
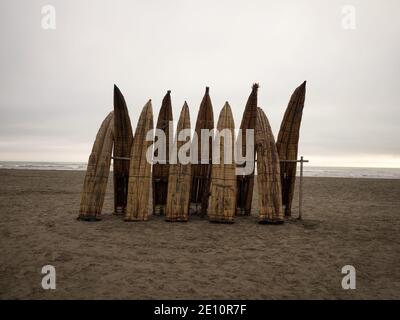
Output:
(308, 165)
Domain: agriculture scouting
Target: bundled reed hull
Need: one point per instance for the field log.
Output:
(245, 183)
(201, 171)
(268, 173)
(122, 149)
(140, 169)
(223, 177)
(287, 144)
(161, 169)
(98, 169)
(177, 208)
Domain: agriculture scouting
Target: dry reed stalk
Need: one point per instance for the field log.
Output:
(287, 144)
(245, 183)
(268, 173)
(98, 169)
(177, 208)
(140, 169)
(123, 138)
(223, 176)
(161, 169)
(201, 171)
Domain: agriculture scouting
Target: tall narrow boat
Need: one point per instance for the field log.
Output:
(140, 168)
(223, 178)
(201, 170)
(268, 173)
(177, 208)
(122, 150)
(245, 181)
(98, 169)
(161, 168)
(287, 144)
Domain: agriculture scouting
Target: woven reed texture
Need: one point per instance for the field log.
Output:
(123, 138)
(177, 208)
(98, 169)
(245, 183)
(161, 169)
(140, 169)
(287, 144)
(268, 173)
(201, 173)
(222, 204)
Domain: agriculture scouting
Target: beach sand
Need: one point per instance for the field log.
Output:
(346, 222)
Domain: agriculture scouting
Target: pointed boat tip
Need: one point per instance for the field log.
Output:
(227, 107)
(119, 99)
(169, 92)
(148, 107)
(261, 111)
(207, 90)
(303, 85)
(116, 89)
(185, 108)
(255, 86)
(148, 104)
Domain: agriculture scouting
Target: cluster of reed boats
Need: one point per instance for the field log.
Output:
(208, 188)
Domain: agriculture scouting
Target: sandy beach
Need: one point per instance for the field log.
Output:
(346, 221)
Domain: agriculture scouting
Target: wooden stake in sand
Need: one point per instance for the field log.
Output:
(140, 169)
(223, 177)
(122, 149)
(201, 172)
(161, 169)
(98, 169)
(245, 183)
(268, 173)
(287, 144)
(177, 208)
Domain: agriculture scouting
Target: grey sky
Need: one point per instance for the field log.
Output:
(56, 85)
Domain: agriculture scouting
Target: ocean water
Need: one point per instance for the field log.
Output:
(352, 172)
(43, 165)
(309, 171)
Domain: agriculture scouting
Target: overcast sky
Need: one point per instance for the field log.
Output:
(57, 85)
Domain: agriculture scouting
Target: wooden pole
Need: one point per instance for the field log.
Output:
(302, 161)
(301, 188)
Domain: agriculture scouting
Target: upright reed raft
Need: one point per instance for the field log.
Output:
(98, 169)
(161, 168)
(177, 208)
(268, 173)
(245, 182)
(140, 169)
(287, 144)
(201, 170)
(122, 150)
(223, 178)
